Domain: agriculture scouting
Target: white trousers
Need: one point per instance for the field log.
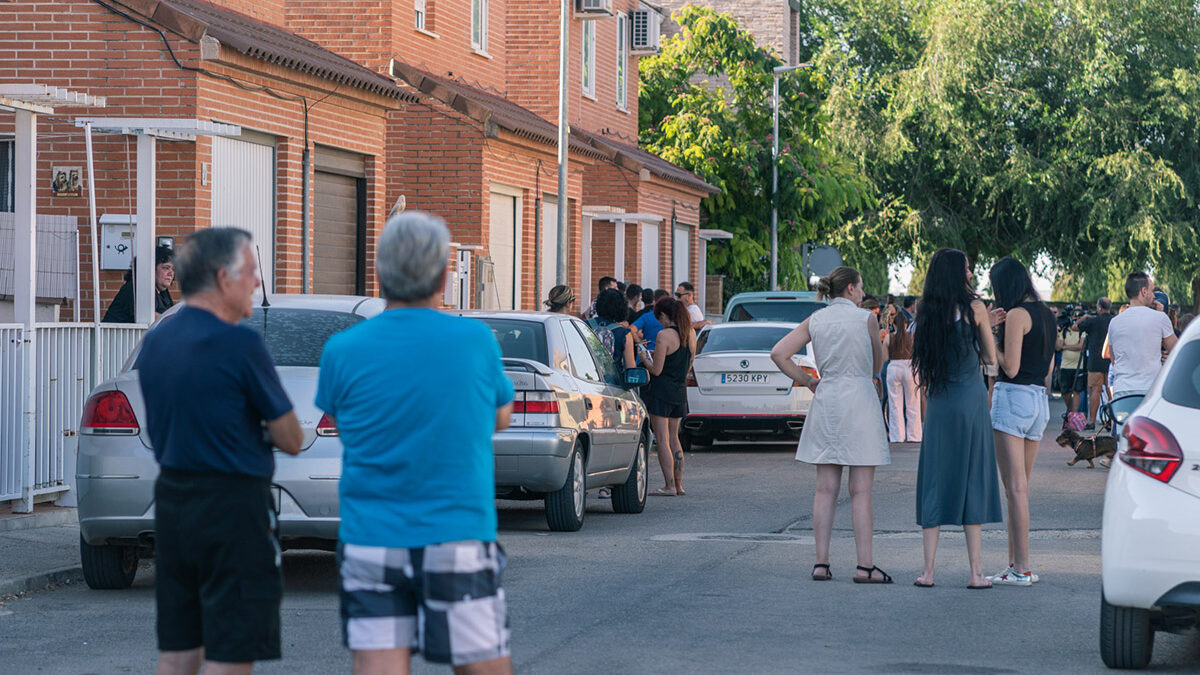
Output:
(903, 402)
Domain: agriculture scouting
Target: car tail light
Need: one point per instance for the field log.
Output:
(536, 402)
(691, 379)
(812, 372)
(1151, 448)
(109, 412)
(326, 426)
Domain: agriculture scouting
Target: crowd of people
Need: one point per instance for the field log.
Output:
(419, 562)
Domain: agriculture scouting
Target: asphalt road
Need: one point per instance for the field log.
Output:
(716, 581)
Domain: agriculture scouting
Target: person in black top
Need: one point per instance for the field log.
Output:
(1020, 408)
(218, 584)
(1096, 328)
(666, 394)
(122, 308)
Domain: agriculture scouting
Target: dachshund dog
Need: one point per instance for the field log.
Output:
(1087, 448)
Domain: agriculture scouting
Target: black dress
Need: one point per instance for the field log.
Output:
(666, 394)
(956, 473)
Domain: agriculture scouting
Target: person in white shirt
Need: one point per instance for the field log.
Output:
(1138, 338)
(686, 293)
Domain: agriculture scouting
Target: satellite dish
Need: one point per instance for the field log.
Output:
(822, 260)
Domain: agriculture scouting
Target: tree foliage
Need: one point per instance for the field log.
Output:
(705, 104)
(1069, 127)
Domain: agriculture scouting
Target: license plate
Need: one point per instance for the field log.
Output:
(744, 378)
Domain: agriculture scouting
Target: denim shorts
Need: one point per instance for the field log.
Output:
(1020, 410)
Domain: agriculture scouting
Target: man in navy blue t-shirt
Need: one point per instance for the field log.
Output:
(210, 387)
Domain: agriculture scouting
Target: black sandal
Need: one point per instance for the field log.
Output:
(870, 578)
(825, 577)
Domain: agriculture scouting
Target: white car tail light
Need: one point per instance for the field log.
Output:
(109, 413)
(1151, 449)
(326, 427)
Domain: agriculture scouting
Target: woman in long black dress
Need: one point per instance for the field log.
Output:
(956, 476)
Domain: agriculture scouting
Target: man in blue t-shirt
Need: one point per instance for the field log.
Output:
(416, 395)
(647, 324)
(210, 386)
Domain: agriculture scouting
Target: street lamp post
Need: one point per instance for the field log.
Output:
(775, 172)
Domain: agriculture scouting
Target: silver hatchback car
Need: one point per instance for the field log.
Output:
(116, 469)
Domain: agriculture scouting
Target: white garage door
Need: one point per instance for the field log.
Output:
(650, 256)
(243, 193)
(504, 246)
(680, 252)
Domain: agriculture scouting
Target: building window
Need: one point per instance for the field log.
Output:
(420, 16)
(589, 58)
(8, 180)
(622, 59)
(479, 25)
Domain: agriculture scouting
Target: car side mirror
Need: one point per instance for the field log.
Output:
(636, 377)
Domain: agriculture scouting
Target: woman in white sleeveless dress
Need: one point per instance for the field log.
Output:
(845, 425)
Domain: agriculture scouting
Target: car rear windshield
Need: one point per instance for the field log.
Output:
(740, 339)
(774, 310)
(295, 337)
(1182, 383)
(520, 339)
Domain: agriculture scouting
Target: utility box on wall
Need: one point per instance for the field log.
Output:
(116, 240)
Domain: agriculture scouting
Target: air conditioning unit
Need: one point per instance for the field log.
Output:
(645, 25)
(593, 9)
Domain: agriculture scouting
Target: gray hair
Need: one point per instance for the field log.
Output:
(413, 251)
(205, 254)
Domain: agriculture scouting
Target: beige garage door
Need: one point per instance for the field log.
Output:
(335, 234)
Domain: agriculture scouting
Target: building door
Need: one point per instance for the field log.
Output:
(339, 223)
(549, 264)
(680, 255)
(243, 192)
(504, 247)
(650, 255)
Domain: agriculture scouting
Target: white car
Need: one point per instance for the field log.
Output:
(736, 391)
(1150, 548)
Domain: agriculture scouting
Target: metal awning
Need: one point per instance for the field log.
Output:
(42, 98)
(627, 217)
(166, 129)
(710, 235)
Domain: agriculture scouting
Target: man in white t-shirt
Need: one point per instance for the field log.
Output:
(1137, 338)
(686, 293)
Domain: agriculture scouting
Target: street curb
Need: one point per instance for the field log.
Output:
(38, 581)
(51, 518)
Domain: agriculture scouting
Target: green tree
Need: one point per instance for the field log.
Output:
(704, 104)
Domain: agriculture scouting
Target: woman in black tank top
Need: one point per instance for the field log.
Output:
(1020, 408)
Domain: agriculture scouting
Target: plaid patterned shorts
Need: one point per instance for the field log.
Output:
(444, 601)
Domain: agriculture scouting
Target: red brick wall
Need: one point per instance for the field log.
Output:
(451, 52)
(270, 11)
(80, 46)
(360, 30)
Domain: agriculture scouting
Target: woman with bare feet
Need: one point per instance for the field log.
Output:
(845, 421)
(665, 395)
(956, 474)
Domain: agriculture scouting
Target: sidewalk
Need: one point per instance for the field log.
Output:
(38, 549)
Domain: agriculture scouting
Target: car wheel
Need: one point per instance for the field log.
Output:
(630, 497)
(565, 506)
(108, 567)
(1126, 638)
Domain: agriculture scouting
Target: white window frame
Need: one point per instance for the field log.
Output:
(419, 14)
(622, 61)
(479, 25)
(588, 76)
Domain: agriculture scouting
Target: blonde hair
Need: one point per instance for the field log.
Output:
(835, 285)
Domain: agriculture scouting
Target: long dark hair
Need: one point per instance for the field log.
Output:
(946, 293)
(1011, 284)
(677, 312)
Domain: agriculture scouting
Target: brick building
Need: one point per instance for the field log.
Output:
(773, 23)
(444, 103)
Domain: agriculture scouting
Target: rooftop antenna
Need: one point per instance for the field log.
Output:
(262, 279)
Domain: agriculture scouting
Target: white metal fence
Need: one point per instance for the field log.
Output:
(12, 375)
(63, 376)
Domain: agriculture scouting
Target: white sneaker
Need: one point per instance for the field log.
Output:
(1014, 578)
(1033, 577)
